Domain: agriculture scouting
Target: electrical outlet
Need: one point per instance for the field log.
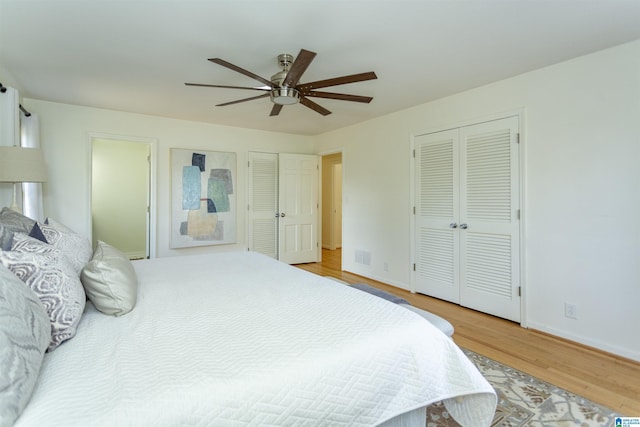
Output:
(570, 310)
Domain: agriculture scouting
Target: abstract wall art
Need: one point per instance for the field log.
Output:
(203, 198)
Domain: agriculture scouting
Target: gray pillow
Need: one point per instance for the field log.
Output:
(25, 333)
(11, 222)
(110, 281)
(6, 235)
(55, 282)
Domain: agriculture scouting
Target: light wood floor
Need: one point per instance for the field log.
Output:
(601, 377)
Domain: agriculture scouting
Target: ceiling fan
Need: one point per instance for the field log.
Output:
(285, 88)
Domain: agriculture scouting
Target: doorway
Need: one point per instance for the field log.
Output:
(121, 195)
(332, 201)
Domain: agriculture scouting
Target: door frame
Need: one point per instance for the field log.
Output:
(152, 214)
(330, 195)
(521, 114)
(321, 154)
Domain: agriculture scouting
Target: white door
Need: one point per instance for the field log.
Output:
(489, 223)
(437, 212)
(467, 225)
(263, 203)
(298, 206)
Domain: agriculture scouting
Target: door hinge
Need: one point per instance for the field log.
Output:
(414, 153)
(248, 164)
(517, 138)
(519, 291)
(414, 210)
(414, 266)
(518, 214)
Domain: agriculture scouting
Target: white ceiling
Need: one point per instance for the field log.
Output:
(136, 55)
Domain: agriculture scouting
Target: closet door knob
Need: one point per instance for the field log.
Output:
(453, 225)
(277, 215)
(463, 226)
(282, 215)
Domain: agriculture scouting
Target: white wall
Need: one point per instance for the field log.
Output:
(65, 138)
(581, 140)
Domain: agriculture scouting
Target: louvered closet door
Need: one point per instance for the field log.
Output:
(489, 204)
(437, 210)
(263, 204)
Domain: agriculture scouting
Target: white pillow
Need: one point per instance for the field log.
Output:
(56, 284)
(25, 333)
(110, 281)
(74, 246)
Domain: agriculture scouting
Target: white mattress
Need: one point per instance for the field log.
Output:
(238, 339)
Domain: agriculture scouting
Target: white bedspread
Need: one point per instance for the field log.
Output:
(238, 339)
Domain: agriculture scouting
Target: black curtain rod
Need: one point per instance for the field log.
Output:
(26, 113)
(3, 89)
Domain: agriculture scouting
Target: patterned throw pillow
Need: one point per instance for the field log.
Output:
(74, 246)
(25, 333)
(56, 284)
(25, 243)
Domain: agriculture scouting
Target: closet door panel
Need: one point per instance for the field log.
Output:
(298, 205)
(263, 204)
(489, 202)
(437, 210)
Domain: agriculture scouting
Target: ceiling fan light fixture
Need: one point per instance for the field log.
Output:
(285, 96)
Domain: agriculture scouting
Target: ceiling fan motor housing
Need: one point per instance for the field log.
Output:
(280, 94)
(285, 95)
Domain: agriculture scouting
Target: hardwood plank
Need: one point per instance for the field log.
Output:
(604, 378)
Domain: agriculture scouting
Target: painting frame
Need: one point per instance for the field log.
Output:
(203, 198)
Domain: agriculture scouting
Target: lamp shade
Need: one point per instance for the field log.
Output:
(19, 164)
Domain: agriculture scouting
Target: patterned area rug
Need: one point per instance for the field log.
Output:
(527, 401)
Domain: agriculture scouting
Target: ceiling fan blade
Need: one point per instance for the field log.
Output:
(298, 67)
(353, 78)
(266, 95)
(315, 107)
(228, 87)
(276, 109)
(340, 96)
(241, 71)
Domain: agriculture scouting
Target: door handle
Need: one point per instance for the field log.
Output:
(463, 226)
(282, 215)
(453, 225)
(277, 215)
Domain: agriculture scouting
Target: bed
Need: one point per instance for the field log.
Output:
(239, 339)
